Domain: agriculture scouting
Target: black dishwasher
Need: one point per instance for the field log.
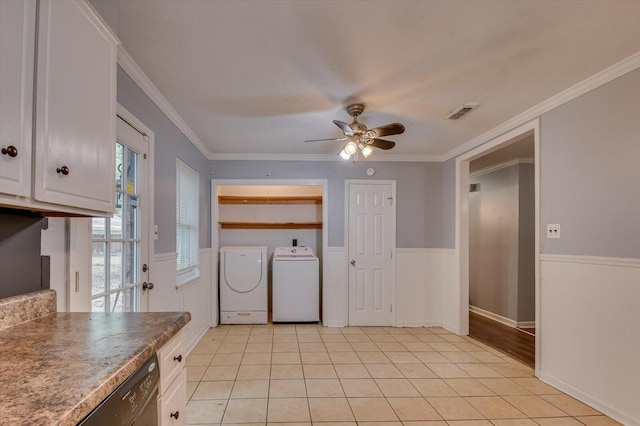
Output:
(134, 402)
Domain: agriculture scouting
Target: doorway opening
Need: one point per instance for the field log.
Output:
(271, 213)
(498, 240)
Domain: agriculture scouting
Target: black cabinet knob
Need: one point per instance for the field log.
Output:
(64, 170)
(176, 414)
(11, 151)
(178, 358)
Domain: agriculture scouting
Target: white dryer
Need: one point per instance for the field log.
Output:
(243, 285)
(296, 285)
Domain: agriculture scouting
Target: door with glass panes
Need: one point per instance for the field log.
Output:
(119, 244)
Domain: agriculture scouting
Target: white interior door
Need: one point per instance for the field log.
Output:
(371, 230)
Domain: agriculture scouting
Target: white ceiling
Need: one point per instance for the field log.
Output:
(263, 76)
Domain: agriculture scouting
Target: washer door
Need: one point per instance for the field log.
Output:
(243, 270)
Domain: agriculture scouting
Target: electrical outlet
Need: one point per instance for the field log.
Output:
(553, 230)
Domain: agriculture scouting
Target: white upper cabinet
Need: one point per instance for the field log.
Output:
(75, 130)
(72, 166)
(17, 35)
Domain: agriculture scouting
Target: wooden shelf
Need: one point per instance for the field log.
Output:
(270, 225)
(235, 199)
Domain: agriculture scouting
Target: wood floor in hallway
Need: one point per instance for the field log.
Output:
(504, 338)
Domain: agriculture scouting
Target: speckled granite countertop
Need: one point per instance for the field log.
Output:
(55, 369)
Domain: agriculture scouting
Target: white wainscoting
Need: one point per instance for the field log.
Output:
(419, 283)
(447, 276)
(195, 297)
(335, 290)
(422, 276)
(590, 344)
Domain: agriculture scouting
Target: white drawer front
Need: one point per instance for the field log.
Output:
(172, 358)
(173, 404)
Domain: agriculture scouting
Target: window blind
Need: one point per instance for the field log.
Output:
(187, 194)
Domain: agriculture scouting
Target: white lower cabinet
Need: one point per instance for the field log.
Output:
(173, 404)
(172, 395)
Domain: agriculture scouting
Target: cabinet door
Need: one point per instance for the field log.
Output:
(75, 108)
(173, 403)
(17, 43)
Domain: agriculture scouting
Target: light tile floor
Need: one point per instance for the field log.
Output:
(309, 374)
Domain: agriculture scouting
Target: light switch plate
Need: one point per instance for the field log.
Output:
(553, 230)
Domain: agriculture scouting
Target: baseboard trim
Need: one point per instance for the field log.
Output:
(526, 324)
(449, 328)
(196, 339)
(334, 324)
(589, 400)
(412, 324)
(498, 318)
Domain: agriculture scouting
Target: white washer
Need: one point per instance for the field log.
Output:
(243, 285)
(296, 285)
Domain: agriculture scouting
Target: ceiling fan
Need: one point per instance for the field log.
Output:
(361, 139)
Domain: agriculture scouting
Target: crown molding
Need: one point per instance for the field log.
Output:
(500, 166)
(619, 69)
(272, 157)
(144, 82)
(322, 157)
(98, 21)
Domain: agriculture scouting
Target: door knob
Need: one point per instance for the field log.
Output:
(147, 286)
(353, 263)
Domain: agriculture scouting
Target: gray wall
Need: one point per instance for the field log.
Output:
(20, 267)
(170, 144)
(527, 244)
(493, 242)
(502, 244)
(590, 158)
(419, 192)
(419, 185)
(423, 202)
(449, 204)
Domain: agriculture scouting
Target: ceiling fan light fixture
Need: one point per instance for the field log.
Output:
(361, 140)
(366, 150)
(350, 148)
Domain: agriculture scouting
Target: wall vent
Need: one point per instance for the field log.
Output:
(462, 111)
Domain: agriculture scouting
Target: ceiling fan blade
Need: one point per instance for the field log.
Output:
(388, 130)
(322, 140)
(382, 143)
(344, 127)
